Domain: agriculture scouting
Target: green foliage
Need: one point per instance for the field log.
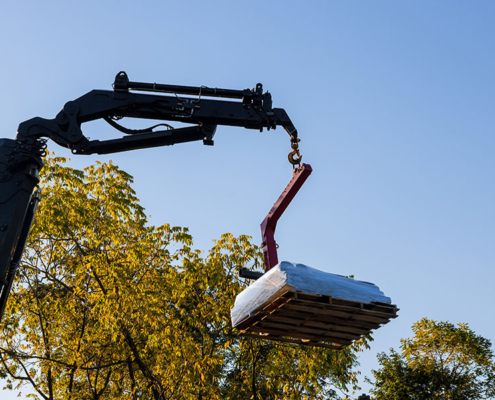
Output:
(108, 306)
(441, 361)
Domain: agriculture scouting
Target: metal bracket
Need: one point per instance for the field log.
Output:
(269, 224)
(247, 274)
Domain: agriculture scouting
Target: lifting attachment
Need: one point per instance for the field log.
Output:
(269, 224)
(299, 304)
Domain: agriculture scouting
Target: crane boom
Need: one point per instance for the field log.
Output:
(21, 159)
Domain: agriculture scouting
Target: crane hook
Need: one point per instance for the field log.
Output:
(295, 161)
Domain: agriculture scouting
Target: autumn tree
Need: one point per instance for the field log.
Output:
(441, 361)
(107, 306)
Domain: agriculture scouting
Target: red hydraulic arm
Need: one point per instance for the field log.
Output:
(270, 222)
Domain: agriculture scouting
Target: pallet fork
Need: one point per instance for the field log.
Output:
(298, 304)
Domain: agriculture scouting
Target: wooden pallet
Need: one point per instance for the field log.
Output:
(320, 321)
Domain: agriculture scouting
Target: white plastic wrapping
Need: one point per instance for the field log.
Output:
(287, 276)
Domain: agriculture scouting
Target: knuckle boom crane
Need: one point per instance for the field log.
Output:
(21, 160)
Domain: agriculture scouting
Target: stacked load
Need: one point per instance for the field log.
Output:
(299, 304)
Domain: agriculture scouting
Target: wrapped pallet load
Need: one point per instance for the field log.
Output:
(296, 303)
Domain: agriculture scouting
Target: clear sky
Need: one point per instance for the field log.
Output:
(394, 103)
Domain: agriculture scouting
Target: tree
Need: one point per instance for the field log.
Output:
(441, 361)
(108, 306)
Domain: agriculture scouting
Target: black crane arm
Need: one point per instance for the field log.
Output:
(21, 159)
(254, 111)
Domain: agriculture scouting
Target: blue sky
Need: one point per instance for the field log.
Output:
(394, 106)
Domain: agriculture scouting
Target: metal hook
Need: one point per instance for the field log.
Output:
(293, 159)
(295, 152)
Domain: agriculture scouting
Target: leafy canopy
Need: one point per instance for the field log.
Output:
(441, 361)
(107, 306)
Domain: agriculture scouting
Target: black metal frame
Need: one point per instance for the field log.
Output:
(21, 159)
